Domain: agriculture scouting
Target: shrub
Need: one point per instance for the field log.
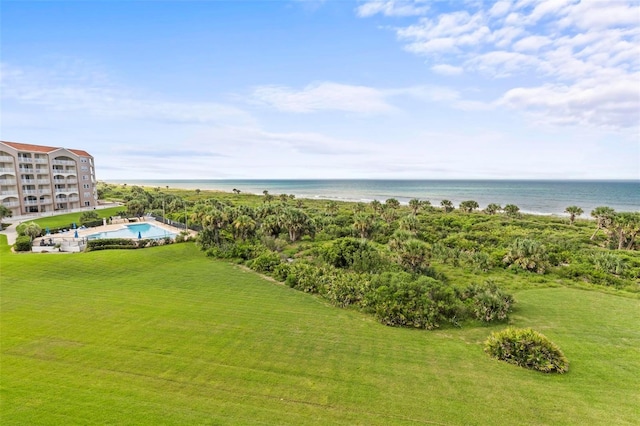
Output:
(266, 262)
(307, 278)
(88, 216)
(526, 348)
(23, 243)
(348, 289)
(527, 254)
(486, 302)
(357, 254)
(610, 263)
(114, 243)
(399, 299)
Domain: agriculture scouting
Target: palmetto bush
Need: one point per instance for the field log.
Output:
(527, 348)
(527, 254)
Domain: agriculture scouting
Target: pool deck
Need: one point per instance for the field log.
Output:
(84, 233)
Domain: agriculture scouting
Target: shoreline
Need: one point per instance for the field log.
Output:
(204, 186)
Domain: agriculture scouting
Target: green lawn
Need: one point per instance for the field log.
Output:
(167, 336)
(69, 218)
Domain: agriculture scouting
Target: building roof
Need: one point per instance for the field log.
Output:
(42, 148)
(29, 147)
(80, 152)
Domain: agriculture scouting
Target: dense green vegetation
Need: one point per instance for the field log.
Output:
(460, 247)
(527, 348)
(166, 335)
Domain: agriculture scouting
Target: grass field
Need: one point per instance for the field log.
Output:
(167, 336)
(69, 218)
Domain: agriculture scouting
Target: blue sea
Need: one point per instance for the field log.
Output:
(546, 197)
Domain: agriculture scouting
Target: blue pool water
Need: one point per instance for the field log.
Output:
(145, 230)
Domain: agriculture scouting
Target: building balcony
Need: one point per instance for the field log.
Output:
(44, 191)
(30, 191)
(73, 199)
(41, 160)
(8, 170)
(72, 181)
(31, 202)
(25, 160)
(9, 193)
(44, 181)
(28, 181)
(8, 182)
(63, 172)
(63, 162)
(10, 204)
(6, 159)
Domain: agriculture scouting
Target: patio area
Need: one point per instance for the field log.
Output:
(75, 240)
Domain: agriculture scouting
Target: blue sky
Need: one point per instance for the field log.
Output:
(328, 89)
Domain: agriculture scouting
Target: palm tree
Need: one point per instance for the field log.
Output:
(392, 203)
(136, 207)
(363, 223)
(604, 218)
(376, 206)
(398, 239)
(527, 254)
(469, 206)
(359, 208)
(4, 212)
(415, 205)
(573, 212)
(296, 222)
(627, 227)
(243, 226)
(271, 226)
(409, 223)
(512, 210)
(447, 206)
(414, 255)
(388, 213)
(32, 230)
(492, 208)
(332, 207)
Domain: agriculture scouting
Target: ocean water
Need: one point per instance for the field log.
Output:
(549, 197)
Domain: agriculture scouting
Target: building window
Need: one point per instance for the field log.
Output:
(85, 177)
(86, 203)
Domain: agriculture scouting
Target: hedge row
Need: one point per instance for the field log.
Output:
(398, 299)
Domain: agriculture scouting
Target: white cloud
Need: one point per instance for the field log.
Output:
(329, 96)
(531, 43)
(500, 8)
(392, 8)
(446, 69)
(608, 104)
(570, 45)
(323, 96)
(78, 90)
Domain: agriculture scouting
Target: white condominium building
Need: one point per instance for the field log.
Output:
(36, 179)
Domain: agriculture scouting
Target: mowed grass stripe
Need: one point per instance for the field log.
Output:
(169, 336)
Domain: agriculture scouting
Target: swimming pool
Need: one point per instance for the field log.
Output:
(144, 230)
